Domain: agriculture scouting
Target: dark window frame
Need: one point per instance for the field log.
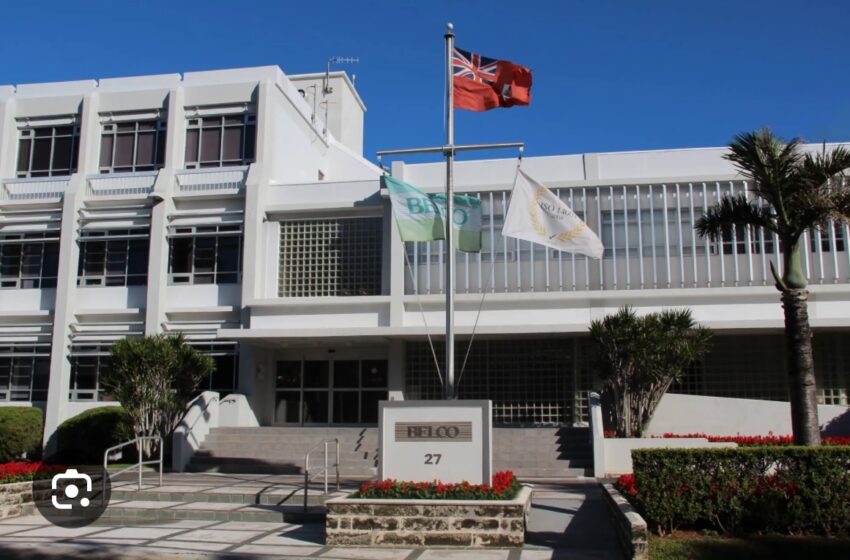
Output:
(16, 249)
(100, 249)
(202, 130)
(17, 356)
(197, 242)
(31, 140)
(112, 131)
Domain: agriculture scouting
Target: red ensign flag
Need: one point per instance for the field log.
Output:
(482, 83)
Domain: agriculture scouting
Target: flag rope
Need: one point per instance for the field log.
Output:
(484, 292)
(424, 320)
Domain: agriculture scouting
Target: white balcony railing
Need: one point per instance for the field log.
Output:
(39, 189)
(197, 182)
(120, 185)
(650, 243)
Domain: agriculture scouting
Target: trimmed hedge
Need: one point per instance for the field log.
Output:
(83, 438)
(20, 432)
(758, 489)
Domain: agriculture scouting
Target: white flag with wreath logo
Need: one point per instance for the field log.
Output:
(537, 215)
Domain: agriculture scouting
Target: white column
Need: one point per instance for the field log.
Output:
(66, 285)
(157, 288)
(8, 133)
(254, 283)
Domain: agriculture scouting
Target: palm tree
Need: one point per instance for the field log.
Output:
(802, 191)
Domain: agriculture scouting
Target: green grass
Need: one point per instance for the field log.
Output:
(750, 548)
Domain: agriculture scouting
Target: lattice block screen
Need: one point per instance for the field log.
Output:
(531, 382)
(330, 257)
(753, 367)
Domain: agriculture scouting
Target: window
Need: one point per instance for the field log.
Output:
(336, 391)
(24, 372)
(132, 146)
(224, 379)
(48, 151)
(113, 258)
(330, 257)
(29, 260)
(205, 254)
(647, 231)
(220, 141)
(88, 364)
(826, 238)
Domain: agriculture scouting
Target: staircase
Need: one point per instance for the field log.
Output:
(543, 452)
(529, 452)
(281, 450)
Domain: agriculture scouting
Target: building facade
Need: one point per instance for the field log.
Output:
(236, 207)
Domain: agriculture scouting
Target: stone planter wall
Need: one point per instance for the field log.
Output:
(629, 525)
(14, 496)
(458, 523)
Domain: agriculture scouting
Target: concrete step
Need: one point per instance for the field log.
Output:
(292, 497)
(237, 465)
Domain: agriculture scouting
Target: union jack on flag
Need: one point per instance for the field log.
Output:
(474, 66)
(481, 83)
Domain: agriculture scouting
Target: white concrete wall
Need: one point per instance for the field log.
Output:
(618, 451)
(718, 416)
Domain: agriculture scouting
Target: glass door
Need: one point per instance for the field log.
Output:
(323, 392)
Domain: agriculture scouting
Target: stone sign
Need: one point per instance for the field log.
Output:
(449, 441)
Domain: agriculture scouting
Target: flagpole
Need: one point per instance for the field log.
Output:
(449, 221)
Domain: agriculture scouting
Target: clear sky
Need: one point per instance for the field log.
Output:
(608, 75)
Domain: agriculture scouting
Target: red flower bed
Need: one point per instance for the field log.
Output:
(625, 484)
(24, 471)
(769, 439)
(504, 487)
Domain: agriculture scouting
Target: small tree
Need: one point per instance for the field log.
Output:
(640, 357)
(153, 378)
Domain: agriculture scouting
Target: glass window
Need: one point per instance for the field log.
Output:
(88, 363)
(113, 258)
(48, 151)
(225, 355)
(24, 372)
(132, 146)
(29, 260)
(205, 254)
(219, 141)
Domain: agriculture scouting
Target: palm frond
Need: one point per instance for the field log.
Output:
(766, 160)
(738, 211)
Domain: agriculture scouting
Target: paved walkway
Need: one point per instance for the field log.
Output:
(568, 521)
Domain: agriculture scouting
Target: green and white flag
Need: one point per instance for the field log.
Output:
(420, 216)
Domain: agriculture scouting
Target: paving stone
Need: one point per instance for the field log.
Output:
(6, 529)
(368, 553)
(297, 551)
(217, 536)
(54, 532)
(478, 554)
(194, 545)
(249, 526)
(207, 506)
(144, 533)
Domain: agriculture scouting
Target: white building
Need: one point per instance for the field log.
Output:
(236, 206)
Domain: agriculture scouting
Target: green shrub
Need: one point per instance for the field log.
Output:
(83, 438)
(776, 489)
(20, 432)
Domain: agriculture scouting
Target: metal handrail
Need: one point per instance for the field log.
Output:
(139, 464)
(324, 469)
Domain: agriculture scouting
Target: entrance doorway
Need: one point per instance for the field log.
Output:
(330, 392)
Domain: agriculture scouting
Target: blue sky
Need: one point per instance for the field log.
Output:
(608, 75)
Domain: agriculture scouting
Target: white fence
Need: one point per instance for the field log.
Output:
(650, 243)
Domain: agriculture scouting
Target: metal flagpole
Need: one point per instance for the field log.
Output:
(449, 150)
(449, 221)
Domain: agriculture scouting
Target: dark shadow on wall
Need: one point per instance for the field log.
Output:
(838, 426)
